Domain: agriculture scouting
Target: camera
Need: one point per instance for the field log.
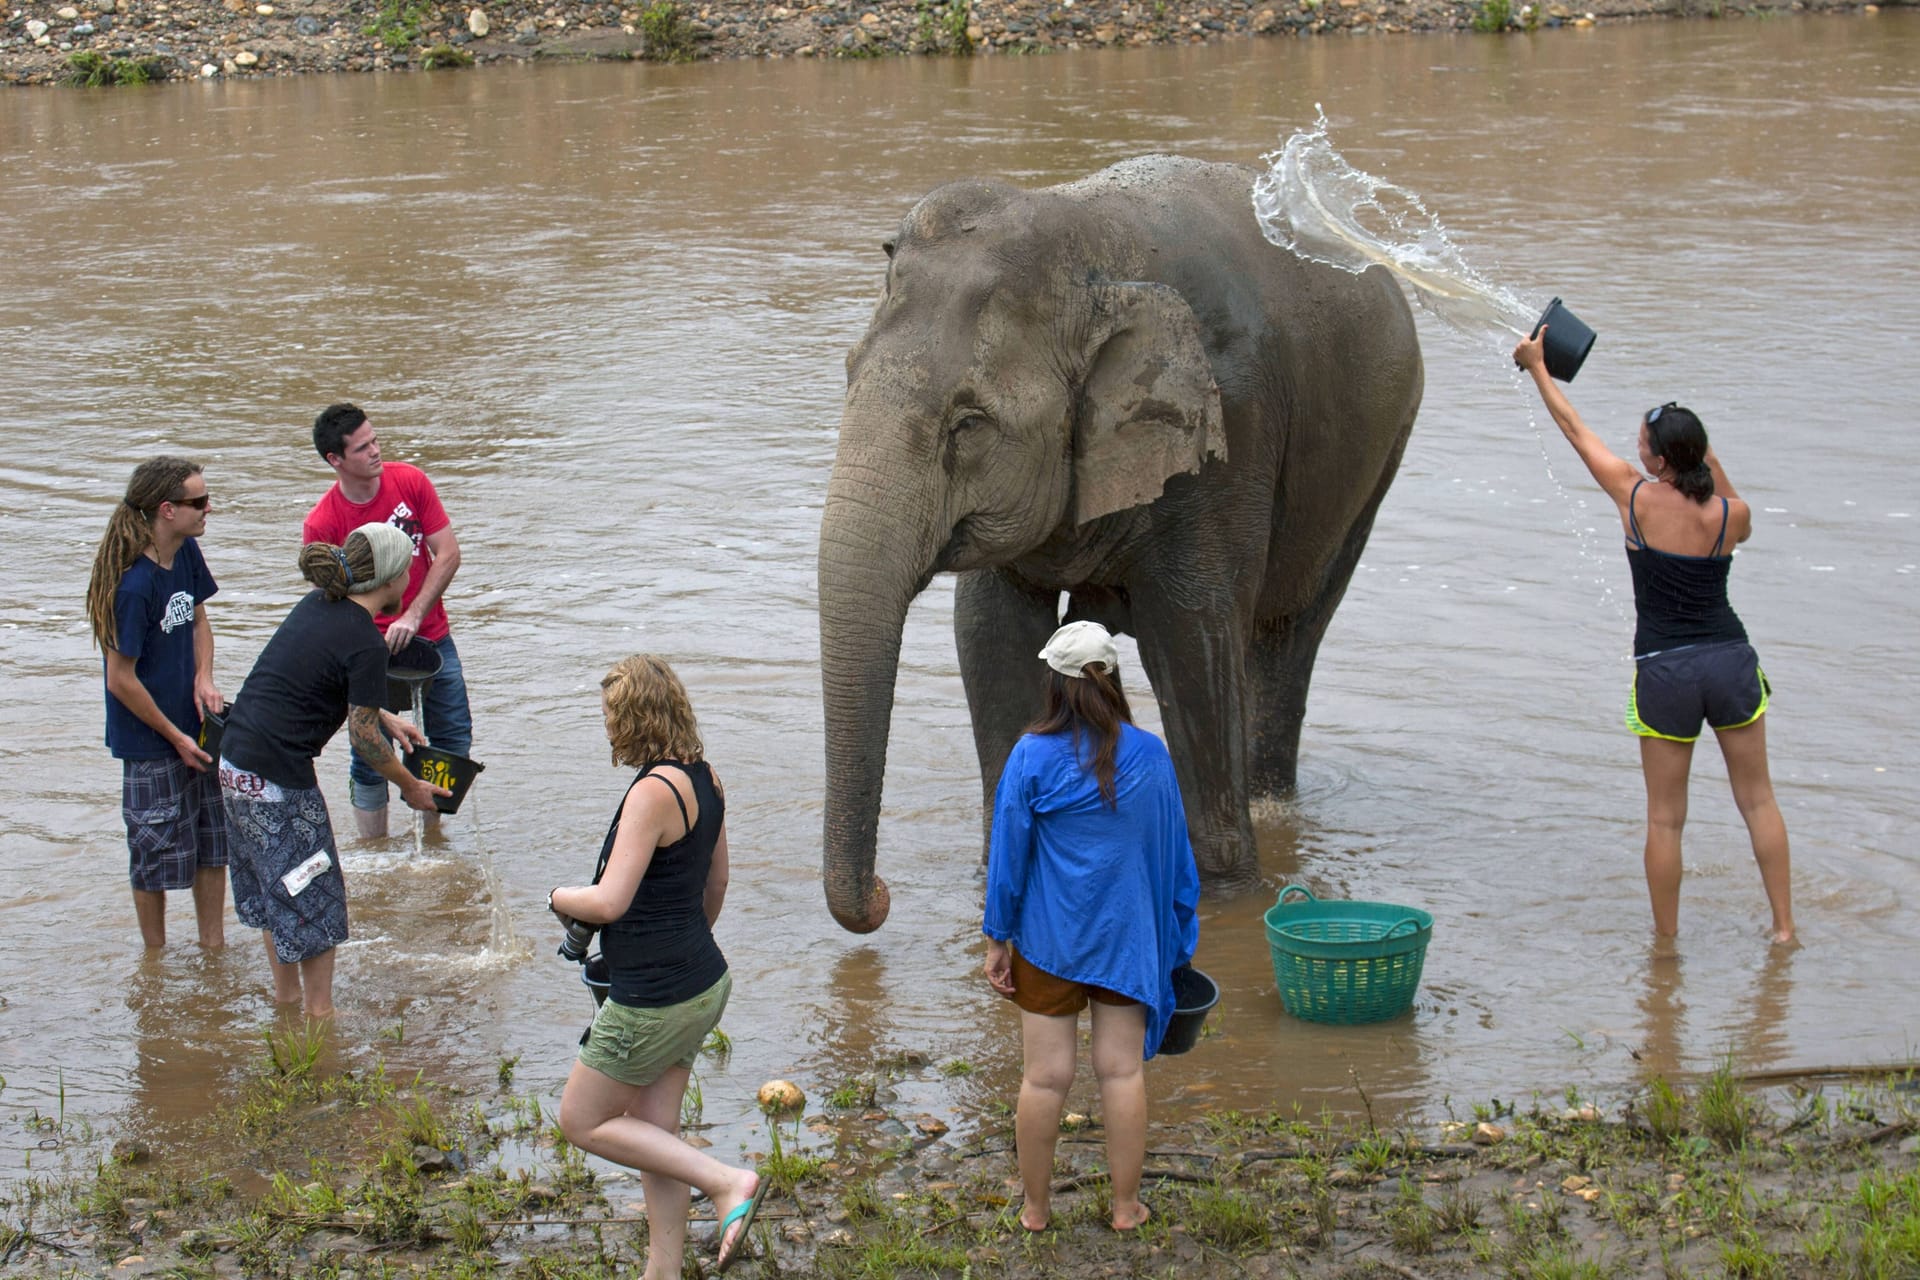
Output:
(578, 938)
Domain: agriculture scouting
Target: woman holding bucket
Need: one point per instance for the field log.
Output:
(1692, 662)
(1091, 893)
(659, 888)
(326, 664)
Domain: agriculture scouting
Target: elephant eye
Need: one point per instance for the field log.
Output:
(969, 419)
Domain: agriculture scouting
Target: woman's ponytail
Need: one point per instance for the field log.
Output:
(1676, 437)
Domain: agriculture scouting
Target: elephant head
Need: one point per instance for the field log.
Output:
(1019, 380)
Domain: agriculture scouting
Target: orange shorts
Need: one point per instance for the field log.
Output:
(1038, 991)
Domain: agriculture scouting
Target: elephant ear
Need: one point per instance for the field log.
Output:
(1148, 408)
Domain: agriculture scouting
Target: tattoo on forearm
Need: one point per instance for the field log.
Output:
(363, 730)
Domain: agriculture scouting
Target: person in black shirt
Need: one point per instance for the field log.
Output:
(659, 889)
(1692, 662)
(326, 664)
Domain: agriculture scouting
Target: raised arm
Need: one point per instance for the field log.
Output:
(1615, 474)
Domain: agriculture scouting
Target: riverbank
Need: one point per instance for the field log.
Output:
(129, 41)
(353, 1173)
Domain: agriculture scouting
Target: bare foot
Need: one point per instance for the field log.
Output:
(1785, 937)
(1130, 1217)
(1035, 1217)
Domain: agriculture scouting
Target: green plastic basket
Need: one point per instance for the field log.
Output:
(1345, 962)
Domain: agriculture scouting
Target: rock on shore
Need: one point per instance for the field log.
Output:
(126, 40)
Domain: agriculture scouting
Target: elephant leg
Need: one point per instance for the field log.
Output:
(999, 624)
(1281, 655)
(1193, 656)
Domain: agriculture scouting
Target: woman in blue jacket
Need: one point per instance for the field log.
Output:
(1091, 890)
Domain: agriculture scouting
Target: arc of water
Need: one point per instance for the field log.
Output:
(1311, 201)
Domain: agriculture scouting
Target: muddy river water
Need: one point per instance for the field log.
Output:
(606, 307)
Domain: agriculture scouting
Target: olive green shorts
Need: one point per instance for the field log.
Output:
(636, 1046)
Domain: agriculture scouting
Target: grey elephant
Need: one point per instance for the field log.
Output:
(1118, 390)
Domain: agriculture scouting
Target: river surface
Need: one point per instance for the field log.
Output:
(606, 308)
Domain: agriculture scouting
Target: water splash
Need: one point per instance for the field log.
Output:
(420, 723)
(1314, 203)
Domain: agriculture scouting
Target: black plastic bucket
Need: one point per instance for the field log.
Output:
(443, 769)
(417, 663)
(212, 725)
(1568, 340)
(1194, 995)
(597, 978)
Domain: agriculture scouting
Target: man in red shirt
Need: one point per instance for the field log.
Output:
(366, 489)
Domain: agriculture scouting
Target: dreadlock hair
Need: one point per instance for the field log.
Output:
(1090, 705)
(339, 571)
(129, 534)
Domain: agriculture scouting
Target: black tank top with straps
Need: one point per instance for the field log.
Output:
(661, 951)
(1679, 600)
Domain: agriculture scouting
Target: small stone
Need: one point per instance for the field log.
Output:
(83, 28)
(246, 58)
(539, 1193)
(208, 71)
(1485, 1134)
(1574, 1182)
(66, 13)
(869, 19)
(36, 28)
(130, 1150)
(1074, 1120)
(230, 67)
(932, 1126)
(1583, 22)
(264, 10)
(307, 25)
(426, 1159)
(477, 23)
(131, 1260)
(839, 1237)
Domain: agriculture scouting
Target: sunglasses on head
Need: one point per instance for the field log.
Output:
(198, 504)
(1653, 414)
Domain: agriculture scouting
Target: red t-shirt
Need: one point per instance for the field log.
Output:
(407, 501)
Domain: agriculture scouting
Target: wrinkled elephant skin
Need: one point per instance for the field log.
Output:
(1114, 389)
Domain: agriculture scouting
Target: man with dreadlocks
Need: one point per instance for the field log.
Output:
(147, 603)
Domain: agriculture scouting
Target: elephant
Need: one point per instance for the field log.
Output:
(1117, 391)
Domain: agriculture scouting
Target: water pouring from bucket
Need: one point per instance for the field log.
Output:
(1313, 202)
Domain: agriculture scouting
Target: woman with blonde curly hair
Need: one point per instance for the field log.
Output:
(146, 602)
(658, 890)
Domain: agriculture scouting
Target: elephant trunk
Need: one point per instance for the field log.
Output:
(872, 563)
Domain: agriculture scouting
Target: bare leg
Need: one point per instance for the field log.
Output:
(316, 982)
(1049, 1048)
(150, 909)
(639, 1127)
(210, 906)
(1665, 764)
(1119, 1037)
(286, 977)
(1745, 750)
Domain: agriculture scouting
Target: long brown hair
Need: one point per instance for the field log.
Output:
(129, 534)
(1092, 705)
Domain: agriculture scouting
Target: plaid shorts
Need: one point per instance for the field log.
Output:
(277, 833)
(175, 822)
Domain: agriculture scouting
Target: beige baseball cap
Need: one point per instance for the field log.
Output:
(1073, 646)
(392, 554)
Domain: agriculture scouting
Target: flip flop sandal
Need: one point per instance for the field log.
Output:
(742, 1216)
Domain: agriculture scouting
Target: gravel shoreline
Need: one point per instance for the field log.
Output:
(124, 41)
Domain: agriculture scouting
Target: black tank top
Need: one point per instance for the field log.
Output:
(661, 951)
(1679, 600)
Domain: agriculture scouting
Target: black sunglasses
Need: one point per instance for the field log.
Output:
(198, 504)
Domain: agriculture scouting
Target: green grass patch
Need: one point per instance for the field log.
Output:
(669, 37)
(91, 69)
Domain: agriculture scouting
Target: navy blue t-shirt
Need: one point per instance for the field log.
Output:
(328, 655)
(153, 625)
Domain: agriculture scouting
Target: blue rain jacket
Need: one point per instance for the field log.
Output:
(1091, 894)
